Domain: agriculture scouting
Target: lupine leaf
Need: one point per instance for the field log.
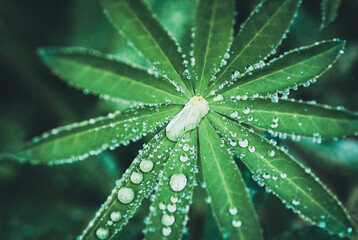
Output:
(260, 35)
(291, 117)
(134, 19)
(292, 69)
(169, 210)
(79, 140)
(104, 75)
(329, 11)
(136, 184)
(294, 184)
(230, 201)
(213, 35)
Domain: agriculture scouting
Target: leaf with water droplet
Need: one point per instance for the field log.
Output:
(169, 211)
(295, 118)
(255, 40)
(107, 76)
(230, 201)
(135, 20)
(130, 191)
(329, 11)
(295, 185)
(213, 35)
(294, 68)
(80, 140)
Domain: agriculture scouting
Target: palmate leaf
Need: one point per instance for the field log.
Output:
(292, 69)
(260, 35)
(213, 35)
(329, 11)
(296, 118)
(79, 140)
(106, 76)
(136, 22)
(169, 210)
(295, 185)
(136, 183)
(231, 203)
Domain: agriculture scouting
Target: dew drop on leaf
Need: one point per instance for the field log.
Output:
(168, 220)
(252, 149)
(177, 182)
(166, 231)
(186, 147)
(125, 195)
(136, 177)
(116, 216)
(184, 157)
(146, 166)
(236, 223)
(233, 211)
(102, 233)
(172, 208)
(243, 143)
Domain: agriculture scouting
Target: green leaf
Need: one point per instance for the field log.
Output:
(213, 35)
(230, 201)
(135, 185)
(104, 75)
(169, 210)
(80, 140)
(134, 19)
(329, 11)
(292, 69)
(294, 184)
(295, 118)
(260, 35)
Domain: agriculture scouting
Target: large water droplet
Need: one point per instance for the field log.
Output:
(246, 110)
(172, 208)
(146, 166)
(252, 149)
(236, 223)
(136, 177)
(166, 231)
(233, 210)
(184, 157)
(116, 216)
(177, 182)
(168, 220)
(125, 195)
(243, 143)
(186, 147)
(102, 233)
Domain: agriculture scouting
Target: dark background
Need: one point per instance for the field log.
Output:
(40, 202)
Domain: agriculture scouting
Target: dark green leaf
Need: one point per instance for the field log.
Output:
(169, 211)
(104, 75)
(134, 19)
(230, 201)
(213, 35)
(260, 35)
(292, 69)
(329, 11)
(296, 118)
(294, 184)
(136, 184)
(80, 140)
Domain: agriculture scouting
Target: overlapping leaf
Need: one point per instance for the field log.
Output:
(136, 22)
(294, 184)
(79, 140)
(260, 35)
(136, 184)
(104, 75)
(329, 11)
(296, 118)
(230, 201)
(213, 35)
(292, 69)
(169, 210)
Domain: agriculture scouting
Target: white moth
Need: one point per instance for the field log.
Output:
(188, 118)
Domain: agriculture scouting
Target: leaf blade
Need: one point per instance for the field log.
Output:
(255, 40)
(292, 69)
(231, 203)
(169, 210)
(295, 118)
(329, 11)
(80, 140)
(114, 214)
(136, 22)
(213, 27)
(104, 75)
(287, 178)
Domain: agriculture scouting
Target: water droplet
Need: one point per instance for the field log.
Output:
(184, 157)
(186, 147)
(168, 220)
(125, 195)
(243, 143)
(166, 231)
(271, 153)
(146, 166)
(102, 233)
(252, 149)
(136, 177)
(296, 202)
(177, 182)
(234, 114)
(172, 208)
(322, 224)
(233, 210)
(236, 223)
(218, 97)
(283, 175)
(233, 143)
(116, 216)
(174, 199)
(246, 110)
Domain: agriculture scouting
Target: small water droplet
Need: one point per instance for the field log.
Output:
(125, 195)
(166, 231)
(146, 166)
(168, 220)
(177, 182)
(246, 110)
(172, 208)
(136, 177)
(243, 143)
(252, 149)
(186, 147)
(116, 216)
(236, 223)
(102, 233)
(283, 175)
(184, 157)
(296, 202)
(233, 211)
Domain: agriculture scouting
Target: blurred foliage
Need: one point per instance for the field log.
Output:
(56, 203)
